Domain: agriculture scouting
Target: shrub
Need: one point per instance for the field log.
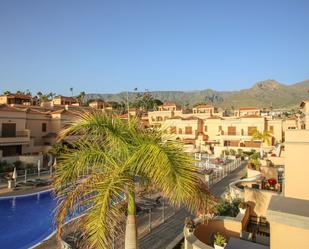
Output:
(18, 164)
(6, 167)
(242, 205)
(255, 156)
(225, 208)
(29, 166)
(232, 152)
(240, 152)
(254, 164)
(219, 239)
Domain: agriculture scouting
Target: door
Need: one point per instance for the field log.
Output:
(8, 130)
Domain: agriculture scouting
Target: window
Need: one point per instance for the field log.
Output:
(188, 130)
(251, 130)
(271, 129)
(179, 131)
(173, 129)
(220, 128)
(8, 130)
(231, 130)
(44, 127)
(205, 129)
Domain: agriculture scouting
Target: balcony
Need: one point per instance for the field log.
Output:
(243, 135)
(21, 137)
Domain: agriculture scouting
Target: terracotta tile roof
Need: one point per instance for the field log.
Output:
(7, 108)
(68, 112)
(15, 95)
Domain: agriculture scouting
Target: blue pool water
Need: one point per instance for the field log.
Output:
(26, 220)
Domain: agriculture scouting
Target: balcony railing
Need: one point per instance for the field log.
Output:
(23, 133)
(20, 137)
(226, 133)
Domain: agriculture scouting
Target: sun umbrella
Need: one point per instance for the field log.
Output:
(14, 176)
(39, 167)
(50, 161)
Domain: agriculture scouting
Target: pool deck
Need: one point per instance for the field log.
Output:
(9, 192)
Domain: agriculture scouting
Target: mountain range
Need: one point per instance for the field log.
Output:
(262, 94)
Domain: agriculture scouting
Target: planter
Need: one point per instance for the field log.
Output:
(219, 247)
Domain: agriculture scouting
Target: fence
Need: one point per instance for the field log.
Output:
(149, 219)
(23, 176)
(218, 171)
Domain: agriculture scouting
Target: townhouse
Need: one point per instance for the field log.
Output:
(275, 212)
(220, 132)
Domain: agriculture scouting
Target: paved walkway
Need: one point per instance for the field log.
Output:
(164, 234)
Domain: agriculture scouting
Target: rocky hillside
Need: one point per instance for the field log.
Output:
(262, 94)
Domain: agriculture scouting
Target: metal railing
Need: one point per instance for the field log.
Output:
(23, 176)
(147, 220)
(226, 133)
(218, 171)
(23, 133)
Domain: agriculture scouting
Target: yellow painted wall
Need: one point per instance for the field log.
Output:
(287, 237)
(297, 164)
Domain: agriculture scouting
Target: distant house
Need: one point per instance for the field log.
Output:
(247, 111)
(63, 100)
(168, 107)
(98, 104)
(16, 99)
(205, 109)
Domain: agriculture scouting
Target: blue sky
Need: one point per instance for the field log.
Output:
(110, 46)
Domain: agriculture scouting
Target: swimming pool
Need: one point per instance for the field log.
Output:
(26, 220)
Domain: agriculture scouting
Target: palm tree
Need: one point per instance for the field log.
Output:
(81, 97)
(100, 168)
(264, 136)
(71, 90)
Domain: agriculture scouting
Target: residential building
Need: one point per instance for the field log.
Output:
(63, 100)
(16, 99)
(100, 104)
(168, 107)
(31, 130)
(277, 198)
(247, 111)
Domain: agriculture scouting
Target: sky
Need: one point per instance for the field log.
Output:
(111, 46)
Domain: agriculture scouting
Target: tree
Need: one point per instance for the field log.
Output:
(114, 153)
(265, 136)
(81, 97)
(45, 96)
(145, 101)
(71, 90)
(6, 92)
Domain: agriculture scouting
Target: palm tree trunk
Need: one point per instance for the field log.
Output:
(131, 241)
